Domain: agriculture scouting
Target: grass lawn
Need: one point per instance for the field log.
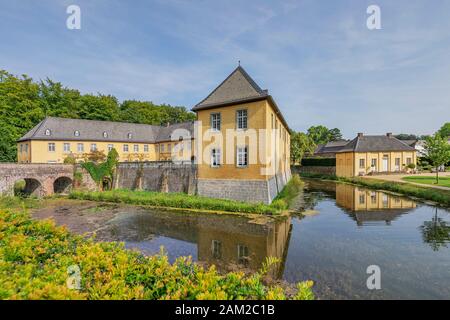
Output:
(443, 181)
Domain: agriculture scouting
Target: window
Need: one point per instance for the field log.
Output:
(26, 148)
(80, 147)
(397, 162)
(362, 163)
(93, 147)
(242, 254)
(215, 121)
(373, 197)
(66, 147)
(125, 148)
(48, 132)
(362, 198)
(21, 148)
(51, 147)
(241, 119)
(110, 147)
(76, 133)
(130, 135)
(136, 148)
(216, 249)
(374, 163)
(169, 147)
(105, 134)
(215, 158)
(161, 147)
(242, 156)
(408, 161)
(145, 147)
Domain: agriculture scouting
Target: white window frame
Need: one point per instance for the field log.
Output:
(93, 147)
(136, 148)
(243, 253)
(125, 148)
(51, 147)
(76, 133)
(48, 132)
(66, 147)
(161, 147)
(242, 156)
(363, 162)
(215, 157)
(110, 147)
(216, 249)
(146, 148)
(80, 147)
(242, 119)
(216, 121)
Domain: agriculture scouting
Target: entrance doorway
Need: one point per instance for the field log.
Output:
(385, 163)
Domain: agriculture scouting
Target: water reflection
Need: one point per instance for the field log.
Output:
(229, 242)
(436, 233)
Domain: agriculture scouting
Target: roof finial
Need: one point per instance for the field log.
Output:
(239, 63)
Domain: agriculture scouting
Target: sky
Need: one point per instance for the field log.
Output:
(317, 58)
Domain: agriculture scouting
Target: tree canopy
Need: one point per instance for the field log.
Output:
(321, 134)
(24, 103)
(444, 131)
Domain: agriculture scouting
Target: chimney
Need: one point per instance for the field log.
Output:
(389, 134)
(360, 135)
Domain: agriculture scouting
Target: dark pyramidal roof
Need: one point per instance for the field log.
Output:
(93, 130)
(237, 88)
(363, 143)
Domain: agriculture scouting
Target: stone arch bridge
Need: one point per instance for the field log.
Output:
(40, 179)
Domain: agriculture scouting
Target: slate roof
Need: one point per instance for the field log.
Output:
(92, 130)
(237, 88)
(330, 147)
(375, 144)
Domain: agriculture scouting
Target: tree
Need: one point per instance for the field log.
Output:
(436, 232)
(444, 131)
(301, 144)
(438, 151)
(321, 134)
(103, 173)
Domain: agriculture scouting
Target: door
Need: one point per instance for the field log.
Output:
(385, 164)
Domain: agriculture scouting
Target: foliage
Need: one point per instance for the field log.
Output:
(24, 103)
(70, 159)
(444, 131)
(436, 232)
(105, 170)
(319, 162)
(290, 191)
(176, 200)
(35, 257)
(436, 195)
(321, 134)
(438, 152)
(301, 144)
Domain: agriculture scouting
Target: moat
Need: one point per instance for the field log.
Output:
(338, 231)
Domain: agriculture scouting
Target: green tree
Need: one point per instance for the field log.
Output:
(444, 131)
(436, 232)
(438, 152)
(104, 172)
(321, 134)
(301, 144)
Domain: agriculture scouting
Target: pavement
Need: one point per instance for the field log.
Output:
(398, 178)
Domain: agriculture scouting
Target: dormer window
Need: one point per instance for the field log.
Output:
(105, 134)
(76, 133)
(48, 132)
(130, 135)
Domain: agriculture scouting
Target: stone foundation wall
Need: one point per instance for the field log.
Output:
(157, 176)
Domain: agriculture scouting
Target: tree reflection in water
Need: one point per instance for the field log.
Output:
(436, 233)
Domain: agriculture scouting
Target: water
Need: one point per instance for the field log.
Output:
(341, 231)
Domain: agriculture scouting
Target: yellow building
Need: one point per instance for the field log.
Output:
(54, 139)
(374, 154)
(242, 142)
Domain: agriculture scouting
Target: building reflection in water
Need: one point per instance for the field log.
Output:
(229, 242)
(369, 206)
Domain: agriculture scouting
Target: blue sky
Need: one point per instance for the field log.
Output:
(316, 57)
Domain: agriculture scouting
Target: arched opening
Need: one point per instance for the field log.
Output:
(62, 185)
(106, 183)
(27, 187)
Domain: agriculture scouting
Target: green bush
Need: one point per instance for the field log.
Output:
(177, 200)
(436, 195)
(318, 162)
(36, 257)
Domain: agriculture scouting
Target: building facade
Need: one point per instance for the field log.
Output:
(240, 142)
(244, 150)
(374, 154)
(55, 139)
